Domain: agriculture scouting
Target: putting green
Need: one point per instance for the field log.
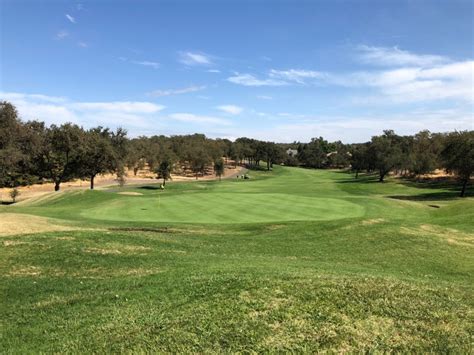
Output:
(224, 208)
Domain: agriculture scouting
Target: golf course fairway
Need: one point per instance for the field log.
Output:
(291, 260)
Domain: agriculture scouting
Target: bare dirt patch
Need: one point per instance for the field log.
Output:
(130, 193)
(17, 223)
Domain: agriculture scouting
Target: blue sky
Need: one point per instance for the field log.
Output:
(274, 70)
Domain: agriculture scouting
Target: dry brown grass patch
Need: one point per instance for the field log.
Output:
(369, 222)
(116, 249)
(450, 235)
(15, 223)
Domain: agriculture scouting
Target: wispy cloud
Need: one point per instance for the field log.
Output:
(231, 109)
(146, 63)
(70, 18)
(62, 34)
(296, 75)
(352, 129)
(264, 97)
(448, 81)
(120, 106)
(52, 109)
(194, 58)
(82, 44)
(213, 71)
(169, 92)
(192, 118)
(415, 78)
(250, 80)
(393, 56)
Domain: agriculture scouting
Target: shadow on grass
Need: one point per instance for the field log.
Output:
(361, 179)
(149, 187)
(6, 203)
(435, 196)
(451, 186)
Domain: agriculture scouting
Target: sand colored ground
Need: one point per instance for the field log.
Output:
(18, 223)
(143, 177)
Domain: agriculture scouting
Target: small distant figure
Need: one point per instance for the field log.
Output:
(237, 176)
(162, 187)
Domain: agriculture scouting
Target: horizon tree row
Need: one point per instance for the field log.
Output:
(31, 152)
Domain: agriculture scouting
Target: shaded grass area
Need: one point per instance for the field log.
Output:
(397, 277)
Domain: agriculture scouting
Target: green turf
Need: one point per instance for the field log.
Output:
(291, 260)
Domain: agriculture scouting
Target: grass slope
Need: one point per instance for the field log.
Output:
(293, 260)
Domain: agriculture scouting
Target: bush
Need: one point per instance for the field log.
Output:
(14, 194)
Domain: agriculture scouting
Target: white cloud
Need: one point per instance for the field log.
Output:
(57, 110)
(213, 71)
(250, 80)
(70, 18)
(447, 81)
(62, 34)
(192, 118)
(119, 106)
(394, 56)
(297, 75)
(264, 97)
(352, 129)
(278, 77)
(192, 58)
(146, 63)
(168, 92)
(82, 44)
(417, 78)
(14, 96)
(232, 109)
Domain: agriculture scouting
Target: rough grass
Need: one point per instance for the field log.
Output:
(16, 223)
(395, 277)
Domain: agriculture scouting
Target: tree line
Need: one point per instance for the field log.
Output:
(412, 156)
(31, 152)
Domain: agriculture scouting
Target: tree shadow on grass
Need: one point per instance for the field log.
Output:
(6, 203)
(450, 185)
(361, 179)
(434, 196)
(149, 187)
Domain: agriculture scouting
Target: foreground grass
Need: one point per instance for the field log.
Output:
(396, 275)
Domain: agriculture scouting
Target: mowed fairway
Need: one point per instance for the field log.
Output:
(290, 260)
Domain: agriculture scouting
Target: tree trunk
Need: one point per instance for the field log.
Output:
(463, 191)
(92, 182)
(382, 175)
(268, 165)
(164, 182)
(56, 185)
(135, 171)
(357, 174)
